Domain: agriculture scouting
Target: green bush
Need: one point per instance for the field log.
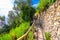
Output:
(47, 35)
(16, 33)
(43, 4)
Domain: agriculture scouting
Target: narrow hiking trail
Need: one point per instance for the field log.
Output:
(39, 34)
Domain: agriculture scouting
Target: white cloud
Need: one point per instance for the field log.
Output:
(5, 6)
(35, 5)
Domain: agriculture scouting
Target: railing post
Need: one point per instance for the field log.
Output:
(20, 39)
(24, 38)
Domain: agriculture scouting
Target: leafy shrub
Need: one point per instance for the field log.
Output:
(43, 4)
(16, 33)
(47, 35)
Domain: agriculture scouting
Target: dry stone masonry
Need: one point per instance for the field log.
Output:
(51, 20)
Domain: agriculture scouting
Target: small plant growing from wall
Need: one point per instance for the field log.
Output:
(47, 36)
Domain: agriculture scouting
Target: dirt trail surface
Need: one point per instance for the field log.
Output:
(39, 31)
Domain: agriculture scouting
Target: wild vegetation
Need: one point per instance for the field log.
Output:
(21, 19)
(48, 36)
(15, 33)
(44, 4)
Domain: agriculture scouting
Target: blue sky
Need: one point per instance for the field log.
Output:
(35, 3)
(7, 5)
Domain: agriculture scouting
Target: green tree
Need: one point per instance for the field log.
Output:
(2, 18)
(2, 21)
(14, 19)
(3, 26)
(26, 9)
(23, 11)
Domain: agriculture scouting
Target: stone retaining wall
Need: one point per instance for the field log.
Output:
(51, 20)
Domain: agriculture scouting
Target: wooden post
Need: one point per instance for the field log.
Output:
(24, 38)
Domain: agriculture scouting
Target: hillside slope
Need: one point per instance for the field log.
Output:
(51, 20)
